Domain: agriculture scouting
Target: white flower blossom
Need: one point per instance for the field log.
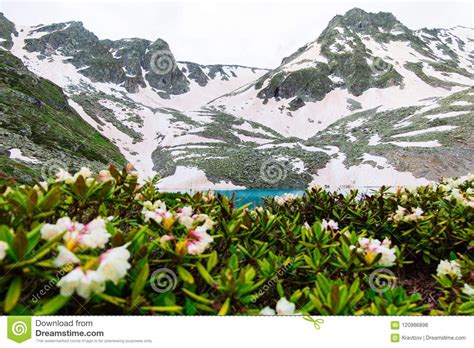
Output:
(69, 283)
(283, 307)
(468, 290)
(370, 248)
(3, 250)
(403, 214)
(267, 311)
(331, 225)
(104, 176)
(64, 257)
(185, 216)
(451, 268)
(83, 283)
(91, 283)
(287, 197)
(114, 263)
(41, 185)
(64, 176)
(94, 234)
(50, 231)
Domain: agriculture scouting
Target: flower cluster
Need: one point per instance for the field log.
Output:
(371, 248)
(113, 266)
(196, 241)
(283, 307)
(285, 198)
(330, 225)
(76, 235)
(462, 198)
(403, 214)
(87, 175)
(451, 268)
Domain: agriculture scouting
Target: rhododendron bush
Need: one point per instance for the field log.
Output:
(102, 243)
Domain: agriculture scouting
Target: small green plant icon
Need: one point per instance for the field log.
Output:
(395, 338)
(19, 329)
(395, 325)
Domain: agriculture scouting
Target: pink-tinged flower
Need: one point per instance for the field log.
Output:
(3, 250)
(330, 225)
(198, 241)
(64, 176)
(166, 238)
(155, 211)
(286, 197)
(114, 263)
(186, 211)
(64, 257)
(104, 176)
(370, 248)
(94, 234)
(49, 231)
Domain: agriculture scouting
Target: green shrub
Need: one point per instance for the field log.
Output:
(105, 243)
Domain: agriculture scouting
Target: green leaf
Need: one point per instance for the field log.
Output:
(20, 244)
(196, 297)
(13, 294)
(53, 305)
(162, 308)
(50, 200)
(234, 262)
(205, 274)
(225, 307)
(212, 261)
(185, 275)
(139, 284)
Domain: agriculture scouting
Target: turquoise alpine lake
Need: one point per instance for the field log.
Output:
(255, 196)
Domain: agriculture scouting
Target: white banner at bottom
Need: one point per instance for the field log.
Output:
(241, 332)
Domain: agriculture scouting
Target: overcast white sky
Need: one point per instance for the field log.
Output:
(256, 33)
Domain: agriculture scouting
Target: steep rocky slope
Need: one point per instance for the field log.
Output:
(40, 130)
(370, 101)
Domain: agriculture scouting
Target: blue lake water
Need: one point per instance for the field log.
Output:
(254, 196)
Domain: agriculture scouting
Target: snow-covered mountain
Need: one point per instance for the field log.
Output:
(369, 100)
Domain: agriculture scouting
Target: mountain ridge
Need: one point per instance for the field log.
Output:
(206, 126)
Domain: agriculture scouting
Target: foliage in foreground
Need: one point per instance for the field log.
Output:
(104, 244)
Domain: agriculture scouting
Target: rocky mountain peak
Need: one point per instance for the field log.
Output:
(7, 29)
